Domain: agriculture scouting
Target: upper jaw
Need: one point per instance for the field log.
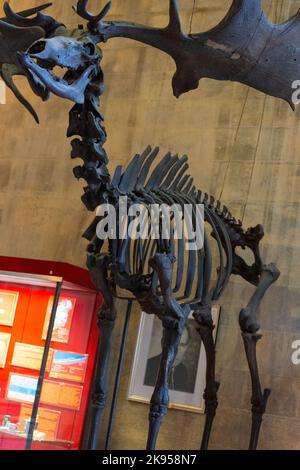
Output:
(45, 81)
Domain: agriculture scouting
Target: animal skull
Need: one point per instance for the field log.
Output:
(78, 57)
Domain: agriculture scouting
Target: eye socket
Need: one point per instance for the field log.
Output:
(90, 48)
(38, 47)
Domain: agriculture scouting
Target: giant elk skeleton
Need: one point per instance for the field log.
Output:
(158, 274)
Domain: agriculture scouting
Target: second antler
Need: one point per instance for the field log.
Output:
(245, 47)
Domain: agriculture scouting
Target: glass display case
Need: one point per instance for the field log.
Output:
(48, 342)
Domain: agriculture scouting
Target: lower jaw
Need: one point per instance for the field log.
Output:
(35, 82)
(39, 89)
(74, 92)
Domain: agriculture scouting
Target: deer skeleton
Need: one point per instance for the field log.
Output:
(244, 47)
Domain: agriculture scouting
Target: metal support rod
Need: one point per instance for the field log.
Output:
(118, 375)
(37, 398)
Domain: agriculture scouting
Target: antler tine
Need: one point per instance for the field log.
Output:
(32, 11)
(81, 10)
(175, 23)
(20, 19)
(105, 10)
(47, 23)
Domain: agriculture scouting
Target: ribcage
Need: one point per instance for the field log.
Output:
(198, 272)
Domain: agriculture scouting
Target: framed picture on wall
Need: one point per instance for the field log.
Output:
(21, 388)
(8, 304)
(187, 382)
(4, 345)
(69, 366)
(63, 319)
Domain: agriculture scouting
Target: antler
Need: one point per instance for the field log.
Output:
(30, 11)
(18, 33)
(244, 47)
(156, 37)
(81, 10)
(48, 23)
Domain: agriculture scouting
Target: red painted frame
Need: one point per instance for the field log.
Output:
(67, 271)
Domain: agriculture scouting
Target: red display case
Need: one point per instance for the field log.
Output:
(28, 290)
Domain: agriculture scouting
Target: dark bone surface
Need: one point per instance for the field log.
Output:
(160, 275)
(244, 47)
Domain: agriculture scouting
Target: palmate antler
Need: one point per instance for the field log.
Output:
(17, 33)
(245, 47)
(47, 23)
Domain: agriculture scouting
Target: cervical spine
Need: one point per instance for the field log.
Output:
(86, 121)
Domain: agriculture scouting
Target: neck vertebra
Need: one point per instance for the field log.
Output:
(86, 121)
